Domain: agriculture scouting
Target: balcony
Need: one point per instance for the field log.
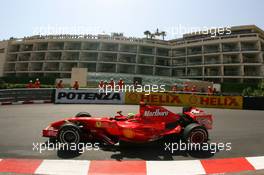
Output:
(124, 68)
(146, 60)
(12, 57)
(211, 49)
(179, 52)
(90, 46)
(90, 66)
(72, 56)
(86, 56)
(163, 62)
(127, 59)
(24, 57)
(38, 56)
(194, 61)
(212, 71)
(162, 71)
(14, 48)
(194, 51)
(26, 47)
(128, 48)
(147, 50)
(178, 72)
(73, 46)
(41, 46)
(194, 72)
(108, 57)
(178, 62)
(230, 47)
(231, 59)
(106, 68)
(56, 46)
(163, 52)
(109, 47)
(251, 58)
(232, 71)
(145, 70)
(249, 46)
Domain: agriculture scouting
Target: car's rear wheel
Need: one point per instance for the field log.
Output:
(195, 133)
(83, 114)
(69, 134)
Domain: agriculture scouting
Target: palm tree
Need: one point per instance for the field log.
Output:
(163, 34)
(147, 33)
(152, 35)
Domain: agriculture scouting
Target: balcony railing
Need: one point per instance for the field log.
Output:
(194, 52)
(195, 63)
(251, 60)
(53, 58)
(249, 49)
(252, 73)
(230, 49)
(212, 51)
(212, 62)
(231, 73)
(230, 61)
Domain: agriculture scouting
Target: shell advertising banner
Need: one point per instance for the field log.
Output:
(173, 99)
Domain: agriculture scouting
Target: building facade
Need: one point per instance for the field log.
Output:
(237, 57)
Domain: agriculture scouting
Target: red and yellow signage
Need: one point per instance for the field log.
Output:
(233, 102)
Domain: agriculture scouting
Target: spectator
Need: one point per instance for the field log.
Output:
(105, 84)
(214, 91)
(185, 88)
(120, 84)
(60, 85)
(101, 84)
(37, 83)
(136, 84)
(30, 84)
(112, 83)
(209, 90)
(194, 89)
(76, 85)
(174, 88)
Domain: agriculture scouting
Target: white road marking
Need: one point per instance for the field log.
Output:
(257, 162)
(175, 167)
(63, 167)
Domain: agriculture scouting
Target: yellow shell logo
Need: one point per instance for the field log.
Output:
(128, 133)
(98, 124)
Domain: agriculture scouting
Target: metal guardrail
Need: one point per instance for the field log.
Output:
(15, 95)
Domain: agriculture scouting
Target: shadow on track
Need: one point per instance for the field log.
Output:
(148, 151)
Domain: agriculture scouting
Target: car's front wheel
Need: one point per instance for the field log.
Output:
(69, 134)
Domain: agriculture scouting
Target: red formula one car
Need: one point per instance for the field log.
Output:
(151, 123)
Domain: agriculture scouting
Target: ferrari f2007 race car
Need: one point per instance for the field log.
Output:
(151, 123)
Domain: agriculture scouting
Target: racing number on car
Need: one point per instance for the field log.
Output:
(98, 124)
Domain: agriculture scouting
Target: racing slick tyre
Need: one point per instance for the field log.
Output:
(195, 133)
(70, 134)
(83, 114)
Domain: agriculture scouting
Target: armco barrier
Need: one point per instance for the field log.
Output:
(16, 95)
(92, 96)
(256, 103)
(173, 99)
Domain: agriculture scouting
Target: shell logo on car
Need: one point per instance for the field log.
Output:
(128, 133)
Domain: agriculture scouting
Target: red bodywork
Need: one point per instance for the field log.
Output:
(151, 123)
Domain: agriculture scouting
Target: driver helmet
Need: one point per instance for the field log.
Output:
(130, 115)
